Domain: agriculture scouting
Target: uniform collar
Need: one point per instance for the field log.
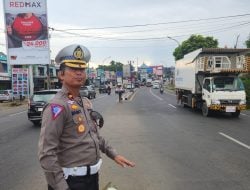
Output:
(66, 92)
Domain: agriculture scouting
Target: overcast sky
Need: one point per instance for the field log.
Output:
(148, 22)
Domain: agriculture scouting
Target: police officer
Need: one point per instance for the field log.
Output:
(70, 143)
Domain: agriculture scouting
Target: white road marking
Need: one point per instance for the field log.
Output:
(155, 95)
(172, 105)
(16, 113)
(234, 140)
(133, 95)
(244, 114)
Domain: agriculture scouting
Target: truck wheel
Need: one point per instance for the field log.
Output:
(205, 111)
(36, 123)
(236, 114)
(183, 104)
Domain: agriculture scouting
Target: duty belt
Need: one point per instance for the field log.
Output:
(82, 170)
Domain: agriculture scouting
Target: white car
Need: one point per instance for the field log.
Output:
(6, 95)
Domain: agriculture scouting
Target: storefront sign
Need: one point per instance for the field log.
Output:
(20, 83)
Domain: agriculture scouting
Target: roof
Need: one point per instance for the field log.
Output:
(190, 57)
(225, 50)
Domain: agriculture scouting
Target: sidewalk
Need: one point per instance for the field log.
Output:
(7, 108)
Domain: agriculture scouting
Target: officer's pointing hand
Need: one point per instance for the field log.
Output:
(123, 161)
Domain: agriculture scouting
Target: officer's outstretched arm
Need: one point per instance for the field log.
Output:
(123, 161)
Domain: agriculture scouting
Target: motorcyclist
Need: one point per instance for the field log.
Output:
(119, 90)
(109, 90)
(161, 89)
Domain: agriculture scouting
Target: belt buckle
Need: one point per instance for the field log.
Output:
(74, 171)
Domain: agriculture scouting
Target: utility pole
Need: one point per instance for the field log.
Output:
(48, 77)
(31, 81)
(137, 74)
(130, 69)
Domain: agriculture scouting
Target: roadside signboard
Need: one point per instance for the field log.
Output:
(26, 32)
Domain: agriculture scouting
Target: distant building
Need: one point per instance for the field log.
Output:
(45, 76)
(143, 72)
(5, 74)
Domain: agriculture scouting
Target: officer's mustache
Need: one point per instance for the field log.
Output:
(79, 78)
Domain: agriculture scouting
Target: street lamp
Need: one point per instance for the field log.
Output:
(105, 59)
(235, 46)
(174, 40)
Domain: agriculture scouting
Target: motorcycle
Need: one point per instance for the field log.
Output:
(109, 91)
(161, 90)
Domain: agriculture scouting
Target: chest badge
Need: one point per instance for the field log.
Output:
(81, 128)
(74, 107)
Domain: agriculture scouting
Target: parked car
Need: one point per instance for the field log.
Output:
(103, 89)
(88, 91)
(6, 95)
(37, 102)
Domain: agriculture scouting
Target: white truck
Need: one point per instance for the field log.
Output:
(208, 79)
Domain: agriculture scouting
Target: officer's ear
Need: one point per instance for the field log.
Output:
(60, 75)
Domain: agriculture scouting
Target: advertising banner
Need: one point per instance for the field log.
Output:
(27, 32)
(126, 71)
(20, 84)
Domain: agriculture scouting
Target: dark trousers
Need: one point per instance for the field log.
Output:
(88, 182)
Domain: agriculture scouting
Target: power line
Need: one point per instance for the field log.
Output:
(161, 23)
(152, 38)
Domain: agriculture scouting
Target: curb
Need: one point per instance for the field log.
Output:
(128, 95)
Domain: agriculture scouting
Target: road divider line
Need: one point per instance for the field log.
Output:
(132, 97)
(234, 140)
(159, 98)
(99, 97)
(17, 113)
(172, 105)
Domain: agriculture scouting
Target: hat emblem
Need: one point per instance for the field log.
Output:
(78, 53)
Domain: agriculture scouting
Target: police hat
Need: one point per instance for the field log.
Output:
(76, 56)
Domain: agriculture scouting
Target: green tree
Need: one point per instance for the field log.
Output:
(194, 42)
(246, 81)
(113, 66)
(248, 42)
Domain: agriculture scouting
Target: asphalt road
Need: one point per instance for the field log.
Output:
(174, 148)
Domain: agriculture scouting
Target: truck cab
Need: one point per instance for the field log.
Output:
(223, 93)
